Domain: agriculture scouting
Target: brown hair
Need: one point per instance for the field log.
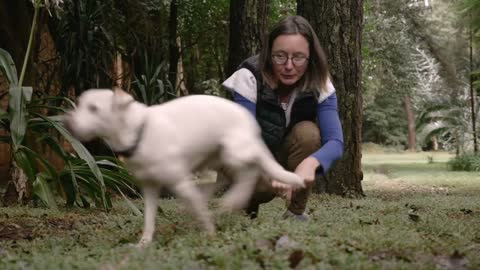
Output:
(316, 74)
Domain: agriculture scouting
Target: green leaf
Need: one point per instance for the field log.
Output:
(3, 115)
(18, 116)
(83, 154)
(7, 66)
(27, 92)
(130, 204)
(5, 139)
(4, 120)
(26, 164)
(53, 109)
(52, 172)
(41, 120)
(70, 185)
(42, 190)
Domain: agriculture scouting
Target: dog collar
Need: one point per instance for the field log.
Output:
(130, 151)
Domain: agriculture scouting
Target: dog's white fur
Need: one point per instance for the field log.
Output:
(178, 138)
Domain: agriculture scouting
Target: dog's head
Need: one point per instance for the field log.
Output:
(99, 112)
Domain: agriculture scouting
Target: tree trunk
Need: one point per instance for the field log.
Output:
(338, 25)
(172, 44)
(248, 22)
(181, 83)
(410, 114)
(472, 92)
(434, 143)
(18, 190)
(118, 73)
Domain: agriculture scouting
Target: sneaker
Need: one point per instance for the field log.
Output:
(289, 214)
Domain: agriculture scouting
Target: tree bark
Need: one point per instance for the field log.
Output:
(248, 22)
(472, 92)
(338, 25)
(181, 85)
(410, 114)
(434, 143)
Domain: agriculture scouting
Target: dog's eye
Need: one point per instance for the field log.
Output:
(92, 108)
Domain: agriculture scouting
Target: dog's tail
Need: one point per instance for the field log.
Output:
(274, 170)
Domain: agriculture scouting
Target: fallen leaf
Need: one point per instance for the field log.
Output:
(413, 216)
(296, 257)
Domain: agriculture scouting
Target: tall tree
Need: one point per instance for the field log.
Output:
(248, 22)
(410, 114)
(338, 25)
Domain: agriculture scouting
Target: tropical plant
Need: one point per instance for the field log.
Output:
(83, 180)
(151, 85)
(449, 121)
(466, 162)
(471, 9)
(27, 127)
(388, 72)
(86, 46)
(202, 28)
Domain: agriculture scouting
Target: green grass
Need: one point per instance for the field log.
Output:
(415, 215)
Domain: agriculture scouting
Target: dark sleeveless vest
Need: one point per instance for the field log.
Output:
(270, 114)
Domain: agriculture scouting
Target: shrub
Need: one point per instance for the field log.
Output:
(467, 162)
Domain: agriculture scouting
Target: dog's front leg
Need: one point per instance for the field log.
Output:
(241, 191)
(150, 196)
(189, 193)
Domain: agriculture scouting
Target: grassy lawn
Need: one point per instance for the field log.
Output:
(416, 214)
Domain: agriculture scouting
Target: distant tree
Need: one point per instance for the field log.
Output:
(203, 30)
(471, 8)
(248, 22)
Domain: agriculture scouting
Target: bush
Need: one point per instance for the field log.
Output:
(467, 162)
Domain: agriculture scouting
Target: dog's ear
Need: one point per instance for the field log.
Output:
(121, 99)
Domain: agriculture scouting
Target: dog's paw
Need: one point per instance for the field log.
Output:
(143, 243)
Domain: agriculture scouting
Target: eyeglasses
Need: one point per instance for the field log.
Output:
(281, 59)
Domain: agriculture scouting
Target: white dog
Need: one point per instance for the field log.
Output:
(165, 144)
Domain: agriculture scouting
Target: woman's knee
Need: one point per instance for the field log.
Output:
(306, 135)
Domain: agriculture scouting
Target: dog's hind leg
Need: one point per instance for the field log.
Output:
(150, 196)
(237, 196)
(188, 192)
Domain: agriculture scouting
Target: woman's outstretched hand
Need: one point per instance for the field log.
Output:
(306, 169)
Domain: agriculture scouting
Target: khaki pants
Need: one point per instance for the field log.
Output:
(302, 141)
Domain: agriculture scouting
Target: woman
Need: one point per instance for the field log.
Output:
(287, 89)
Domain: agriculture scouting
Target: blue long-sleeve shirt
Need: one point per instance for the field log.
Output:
(330, 129)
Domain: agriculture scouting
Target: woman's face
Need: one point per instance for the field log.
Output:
(290, 55)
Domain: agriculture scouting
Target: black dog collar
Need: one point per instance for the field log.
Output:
(130, 151)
